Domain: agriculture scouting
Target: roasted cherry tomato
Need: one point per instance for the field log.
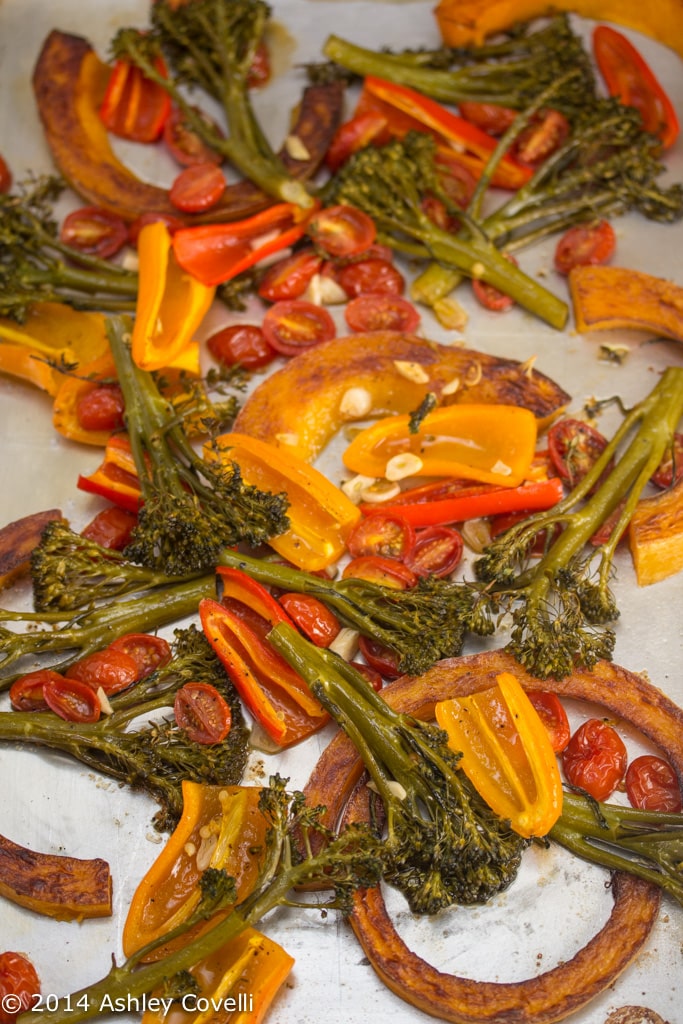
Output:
(260, 70)
(574, 448)
(241, 344)
(585, 245)
(19, 986)
(72, 699)
(94, 232)
(455, 179)
(371, 674)
(185, 145)
(381, 533)
(26, 694)
(113, 670)
(293, 325)
(670, 469)
(149, 652)
(375, 276)
(111, 528)
(198, 188)
(101, 408)
(490, 297)
(381, 312)
(342, 230)
(358, 132)
(312, 618)
(290, 277)
(651, 784)
(554, 717)
(436, 552)
(387, 572)
(379, 657)
(202, 713)
(628, 77)
(546, 133)
(595, 759)
(492, 118)
(171, 222)
(5, 176)
(134, 107)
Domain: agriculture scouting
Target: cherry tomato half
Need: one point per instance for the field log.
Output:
(101, 408)
(293, 325)
(149, 652)
(379, 657)
(371, 674)
(595, 759)
(492, 118)
(436, 552)
(539, 140)
(185, 145)
(94, 232)
(312, 618)
(5, 176)
(260, 69)
(202, 713)
(585, 245)
(18, 978)
(72, 699)
(113, 670)
(381, 533)
(574, 448)
(670, 469)
(134, 107)
(26, 694)
(111, 528)
(490, 297)
(551, 712)
(241, 344)
(651, 784)
(342, 230)
(381, 312)
(197, 188)
(290, 277)
(387, 572)
(375, 276)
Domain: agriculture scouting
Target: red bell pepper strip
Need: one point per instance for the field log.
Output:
(115, 478)
(474, 502)
(214, 253)
(448, 126)
(134, 107)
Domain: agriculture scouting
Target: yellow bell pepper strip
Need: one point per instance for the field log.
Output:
(506, 754)
(170, 307)
(64, 409)
(491, 443)
(116, 477)
(275, 694)
(52, 334)
(215, 253)
(320, 515)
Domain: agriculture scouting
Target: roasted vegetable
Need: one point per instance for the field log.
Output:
(605, 298)
(17, 542)
(66, 888)
(301, 406)
(655, 536)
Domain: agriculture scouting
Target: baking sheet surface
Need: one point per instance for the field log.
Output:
(50, 804)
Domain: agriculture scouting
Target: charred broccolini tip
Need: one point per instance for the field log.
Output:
(192, 506)
(35, 266)
(344, 863)
(560, 608)
(152, 757)
(444, 845)
(210, 45)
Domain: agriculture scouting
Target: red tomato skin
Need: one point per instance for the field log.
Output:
(260, 70)
(94, 232)
(490, 297)
(437, 551)
(670, 469)
(371, 674)
(574, 447)
(381, 312)
(595, 759)
(554, 717)
(293, 325)
(312, 618)
(545, 134)
(379, 657)
(149, 652)
(652, 785)
(113, 670)
(202, 713)
(72, 699)
(111, 528)
(290, 277)
(18, 977)
(383, 534)
(342, 230)
(241, 344)
(133, 106)
(198, 188)
(5, 176)
(585, 245)
(184, 145)
(26, 694)
(101, 408)
(490, 117)
(388, 572)
(375, 276)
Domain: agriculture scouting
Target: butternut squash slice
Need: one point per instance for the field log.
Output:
(17, 541)
(65, 888)
(469, 22)
(605, 298)
(655, 536)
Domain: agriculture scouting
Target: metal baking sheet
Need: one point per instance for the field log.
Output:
(51, 804)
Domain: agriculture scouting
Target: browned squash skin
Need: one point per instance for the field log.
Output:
(299, 406)
(17, 541)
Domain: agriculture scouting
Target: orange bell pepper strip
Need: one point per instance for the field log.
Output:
(506, 754)
(320, 515)
(214, 253)
(490, 443)
(116, 477)
(171, 305)
(448, 128)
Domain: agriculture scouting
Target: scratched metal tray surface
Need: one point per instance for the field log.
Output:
(51, 804)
